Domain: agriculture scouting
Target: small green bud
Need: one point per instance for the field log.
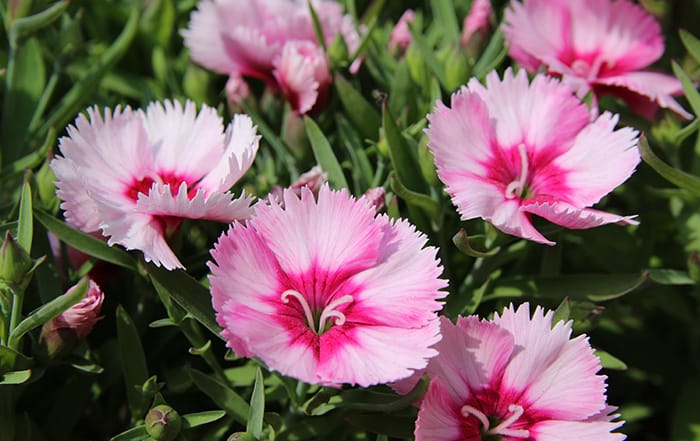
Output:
(45, 179)
(163, 423)
(241, 436)
(416, 66)
(15, 262)
(456, 68)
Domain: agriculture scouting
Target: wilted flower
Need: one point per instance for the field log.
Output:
(74, 324)
(272, 40)
(136, 175)
(476, 22)
(598, 45)
(312, 179)
(400, 36)
(514, 149)
(324, 291)
(515, 377)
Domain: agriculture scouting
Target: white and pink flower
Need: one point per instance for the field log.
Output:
(596, 45)
(513, 149)
(324, 291)
(271, 40)
(516, 377)
(135, 175)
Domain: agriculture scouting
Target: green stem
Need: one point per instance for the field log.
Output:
(197, 340)
(15, 316)
(7, 411)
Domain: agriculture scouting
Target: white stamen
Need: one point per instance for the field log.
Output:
(503, 428)
(468, 410)
(330, 311)
(516, 188)
(304, 304)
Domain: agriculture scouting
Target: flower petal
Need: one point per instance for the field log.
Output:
(440, 419)
(552, 430)
(568, 216)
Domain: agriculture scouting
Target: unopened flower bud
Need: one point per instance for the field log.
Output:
(312, 179)
(60, 335)
(163, 423)
(237, 91)
(15, 262)
(241, 436)
(401, 37)
(476, 24)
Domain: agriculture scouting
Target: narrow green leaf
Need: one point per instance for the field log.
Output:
(222, 395)
(446, 18)
(373, 10)
(609, 361)
(361, 167)
(402, 158)
(563, 312)
(269, 135)
(425, 202)
(680, 178)
(187, 292)
(374, 401)
(686, 131)
(85, 366)
(362, 114)
(428, 53)
(685, 423)
(26, 26)
(25, 222)
(324, 154)
(590, 287)
(192, 420)
(84, 242)
(15, 377)
(137, 433)
(162, 323)
(463, 242)
(73, 101)
(691, 43)
(688, 88)
(202, 349)
(31, 160)
(133, 362)
(493, 55)
(257, 407)
(48, 311)
(318, 29)
(670, 277)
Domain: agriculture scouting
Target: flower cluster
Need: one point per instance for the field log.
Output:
(273, 41)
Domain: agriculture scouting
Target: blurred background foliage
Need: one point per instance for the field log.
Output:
(634, 290)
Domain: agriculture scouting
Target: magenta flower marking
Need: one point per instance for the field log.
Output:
(514, 149)
(135, 175)
(516, 377)
(323, 290)
(598, 45)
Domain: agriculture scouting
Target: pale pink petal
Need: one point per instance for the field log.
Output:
(511, 219)
(362, 356)
(473, 353)
(241, 143)
(656, 88)
(439, 417)
(400, 272)
(334, 232)
(203, 36)
(514, 104)
(568, 216)
(221, 207)
(599, 160)
(185, 143)
(552, 430)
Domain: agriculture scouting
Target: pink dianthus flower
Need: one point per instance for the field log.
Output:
(513, 149)
(324, 291)
(401, 37)
(135, 175)
(598, 45)
(271, 40)
(515, 377)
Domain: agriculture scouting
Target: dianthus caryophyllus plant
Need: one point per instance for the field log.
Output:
(135, 175)
(271, 40)
(515, 377)
(514, 149)
(325, 291)
(598, 45)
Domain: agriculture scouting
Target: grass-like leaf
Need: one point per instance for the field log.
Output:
(324, 154)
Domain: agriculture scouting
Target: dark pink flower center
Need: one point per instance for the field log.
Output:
(143, 185)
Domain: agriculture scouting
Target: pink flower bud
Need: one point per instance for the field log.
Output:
(312, 179)
(376, 197)
(237, 91)
(401, 36)
(477, 21)
(303, 75)
(74, 324)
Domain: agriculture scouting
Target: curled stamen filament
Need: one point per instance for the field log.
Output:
(516, 188)
(328, 312)
(503, 428)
